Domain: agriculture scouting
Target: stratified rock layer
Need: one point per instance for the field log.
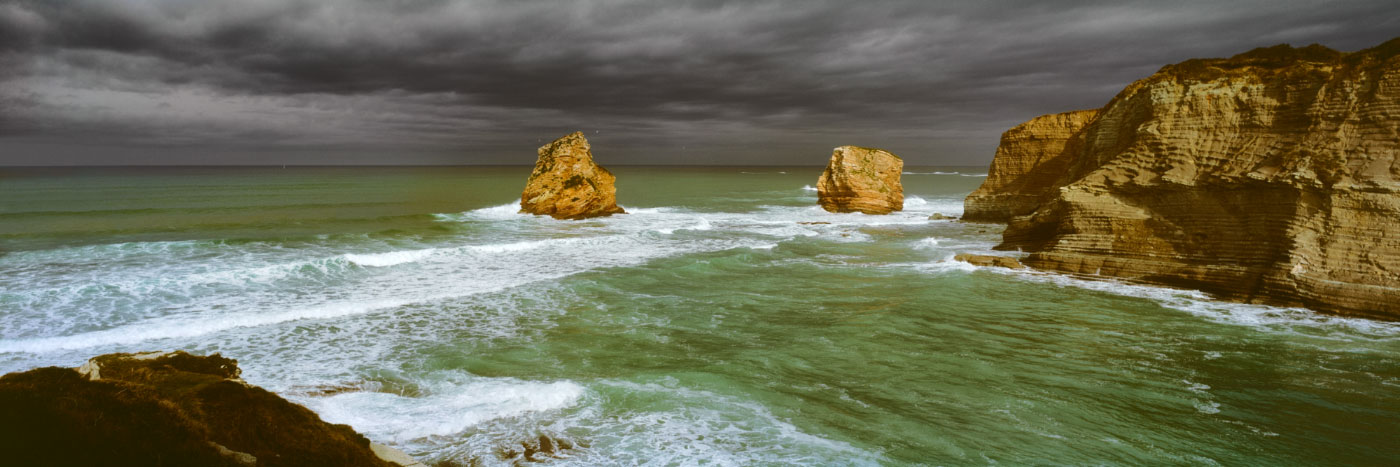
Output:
(567, 184)
(989, 261)
(1028, 165)
(1271, 177)
(164, 409)
(861, 180)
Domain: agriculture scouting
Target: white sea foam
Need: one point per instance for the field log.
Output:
(452, 401)
(708, 428)
(390, 258)
(500, 212)
(1203, 305)
(518, 246)
(809, 188)
(176, 304)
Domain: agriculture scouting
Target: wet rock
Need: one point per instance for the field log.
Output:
(863, 180)
(161, 408)
(541, 449)
(567, 184)
(938, 216)
(989, 260)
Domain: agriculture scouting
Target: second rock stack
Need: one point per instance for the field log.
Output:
(861, 180)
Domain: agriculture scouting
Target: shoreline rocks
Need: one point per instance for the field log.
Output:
(567, 184)
(989, 261)
(863, 180)
(1269, 177)
(167, 408)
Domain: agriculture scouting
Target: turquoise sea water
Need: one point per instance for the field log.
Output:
(725, 321)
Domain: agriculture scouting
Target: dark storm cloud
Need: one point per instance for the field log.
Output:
(654, 82)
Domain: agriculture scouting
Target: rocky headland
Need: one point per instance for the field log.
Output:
(1269, 177)
(1027, 167)
(863, 180)
(567, 184)
(174, 409)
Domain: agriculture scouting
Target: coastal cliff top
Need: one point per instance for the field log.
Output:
(1281, 58)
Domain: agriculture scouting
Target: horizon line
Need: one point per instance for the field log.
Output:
(211, 166)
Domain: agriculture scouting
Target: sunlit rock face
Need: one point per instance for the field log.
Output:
(567, 184)
(1268, 177)
(863, 180)
(1028, 165)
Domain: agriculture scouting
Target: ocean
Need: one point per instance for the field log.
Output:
(725, 320)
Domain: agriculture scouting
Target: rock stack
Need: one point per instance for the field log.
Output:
(567, 184)
(861, 180)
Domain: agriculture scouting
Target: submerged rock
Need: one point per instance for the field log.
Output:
(567, 184)
(989, 260)
(938, 216)
(1269, 177)
(166, 409)
(861, 180)
(540, 449)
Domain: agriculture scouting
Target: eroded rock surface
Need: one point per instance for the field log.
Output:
(861, 180)
(989, 260)
(165, 409)
(1272, 177)
(1028, 165)
(567, 184)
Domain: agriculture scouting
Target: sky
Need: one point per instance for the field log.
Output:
(355, 82)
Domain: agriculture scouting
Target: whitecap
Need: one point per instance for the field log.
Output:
(389, 258)
(499, 212)
(452, 402)
(1203, 305)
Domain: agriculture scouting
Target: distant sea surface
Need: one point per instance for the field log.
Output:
(726, 320)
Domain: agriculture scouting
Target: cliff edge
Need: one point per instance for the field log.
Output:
(1269, 177)
(1028, 165)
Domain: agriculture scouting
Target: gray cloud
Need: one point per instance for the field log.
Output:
(777, 82)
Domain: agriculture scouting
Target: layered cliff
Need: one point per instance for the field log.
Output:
(862, 180)
(567, 184)
(1028, 165)
(1272, 176)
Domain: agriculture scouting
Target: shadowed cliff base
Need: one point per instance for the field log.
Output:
(172, 409)
(1269, 177)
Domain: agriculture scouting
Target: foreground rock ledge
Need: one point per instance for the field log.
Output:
(172, 409)
(567, 184)
(861, 180)
(1269, 177)
(989, 261)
